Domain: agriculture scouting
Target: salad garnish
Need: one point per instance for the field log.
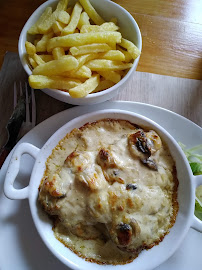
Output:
(194, 156)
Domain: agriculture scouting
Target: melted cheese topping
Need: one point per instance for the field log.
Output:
(113, 187)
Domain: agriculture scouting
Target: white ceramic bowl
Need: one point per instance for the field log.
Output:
(107, 9)
(146, 259)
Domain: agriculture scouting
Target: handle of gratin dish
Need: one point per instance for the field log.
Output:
(13, 170)
(197, 223)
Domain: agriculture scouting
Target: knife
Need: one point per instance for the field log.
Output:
(13, 127)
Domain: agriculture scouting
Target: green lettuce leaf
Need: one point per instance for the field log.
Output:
(196, 168)
(194, 156)
(198, 209)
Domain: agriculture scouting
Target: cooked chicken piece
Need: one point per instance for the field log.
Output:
(77, 161)
(53, 189)
(105, 159)
(78, 172)
(109, 167)
(86, 171)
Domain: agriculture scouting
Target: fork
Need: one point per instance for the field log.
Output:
(16, 125)
(28, 124)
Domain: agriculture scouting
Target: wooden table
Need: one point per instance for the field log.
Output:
(171, 32)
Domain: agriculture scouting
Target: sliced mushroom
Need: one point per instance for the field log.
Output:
(150, 163)
(131, 186)
(124, 234)
(154, 140)
(143, 145)
(135, 226)
(138, 144)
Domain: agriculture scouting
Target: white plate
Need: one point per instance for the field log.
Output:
(20, 245)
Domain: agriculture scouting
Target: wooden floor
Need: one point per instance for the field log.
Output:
(171, 32)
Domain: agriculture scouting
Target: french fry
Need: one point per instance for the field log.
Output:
(112, 44)
(103, 85)
(82, 73)
(128, 56)
(62, 5)
(52, 82)
(45, 26)
(110, 76)
(32, 62)
(56, 67)
(107, 26)
(30, 48)
(102, 64)
(83, 20)
(41, 45)
(58, 27)
(115, 55)
(58, 52)
(63, 17)
(33, 30)
(38, 59)
(46, 57)
(82, 39)
(82, 59)
(92, 13)
(74, 19)
(131, 48)
(85, 88)
(90, 48)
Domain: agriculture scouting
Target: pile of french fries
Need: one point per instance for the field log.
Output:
(75, 50)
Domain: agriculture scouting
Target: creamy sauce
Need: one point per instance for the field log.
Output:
(113, 187)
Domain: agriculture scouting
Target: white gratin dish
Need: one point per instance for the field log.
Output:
(147, 259)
